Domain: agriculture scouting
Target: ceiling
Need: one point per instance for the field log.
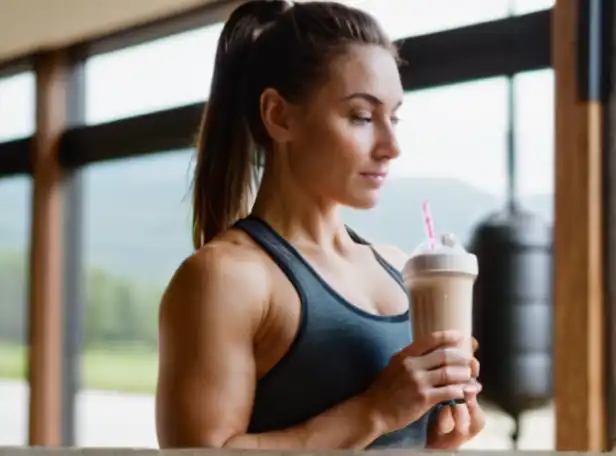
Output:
(31, 25)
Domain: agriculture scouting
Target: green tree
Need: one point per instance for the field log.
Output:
(119, 311)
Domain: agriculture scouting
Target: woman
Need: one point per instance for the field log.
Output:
(285, 330)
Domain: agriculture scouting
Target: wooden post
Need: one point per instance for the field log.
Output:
(45, 296)
(579, 298)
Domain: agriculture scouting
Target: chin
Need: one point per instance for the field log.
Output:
(363, 202)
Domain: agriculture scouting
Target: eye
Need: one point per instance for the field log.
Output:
(361, 119)
(395, 120)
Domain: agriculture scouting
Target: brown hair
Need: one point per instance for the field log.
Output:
(264, 44)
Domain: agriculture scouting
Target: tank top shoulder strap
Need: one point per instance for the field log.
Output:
(397, 275)
(393, 272)
(292, 264)
(279, 251)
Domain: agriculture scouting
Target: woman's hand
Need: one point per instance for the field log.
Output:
(457, 424)
(433, 369)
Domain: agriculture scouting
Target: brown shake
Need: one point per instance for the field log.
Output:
(440, 282)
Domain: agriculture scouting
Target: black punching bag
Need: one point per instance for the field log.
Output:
(513, 310)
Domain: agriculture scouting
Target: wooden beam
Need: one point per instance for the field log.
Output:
(579, 306)
(45, 354)
(610, 217)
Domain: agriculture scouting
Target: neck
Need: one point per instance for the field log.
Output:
(296, 214)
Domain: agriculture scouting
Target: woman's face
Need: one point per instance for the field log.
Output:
(343, 138)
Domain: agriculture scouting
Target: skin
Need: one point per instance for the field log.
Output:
(229, 314)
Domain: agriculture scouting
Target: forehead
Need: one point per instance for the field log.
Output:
(364, 69)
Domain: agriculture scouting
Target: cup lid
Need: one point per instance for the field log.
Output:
(447, 255)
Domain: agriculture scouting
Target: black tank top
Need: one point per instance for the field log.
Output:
(337, 353)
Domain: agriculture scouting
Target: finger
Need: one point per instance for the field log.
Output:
(472, 389)
(458, 434)
(477, 417)
(445, 422)
(446, 375)
(445, 393)
(462, 418)
(475, 368)
(474, 344)
(441, 357)
(432, 341)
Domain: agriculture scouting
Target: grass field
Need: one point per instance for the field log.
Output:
(127, 370)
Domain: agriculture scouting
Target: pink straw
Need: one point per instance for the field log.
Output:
(425, 208)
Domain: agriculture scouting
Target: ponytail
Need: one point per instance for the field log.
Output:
(225, 170)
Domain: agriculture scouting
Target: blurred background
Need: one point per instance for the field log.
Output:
(467, 113)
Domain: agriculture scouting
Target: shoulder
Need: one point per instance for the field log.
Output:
(392, 254)
(227, 277)
(226, 262)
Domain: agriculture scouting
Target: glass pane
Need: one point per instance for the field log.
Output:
(534, 117)
(17, 104)
(453, 142)
(403, 18)
(161, 74)
(530, 6)
(14, 241)
(137, 231)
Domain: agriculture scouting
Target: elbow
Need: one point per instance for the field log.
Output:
(182, 423)
(177, 441)
(175, 434)
(242, 442)
(182, 435)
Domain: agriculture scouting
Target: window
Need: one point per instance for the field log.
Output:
(530, 6)
(161, 74)
(17, 98)
(14, 238)
(453, 142)
(534, 124)
(403, 18)
(137, 232)
(177, 70)
(17, 106)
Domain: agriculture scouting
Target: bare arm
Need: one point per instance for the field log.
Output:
(207, 372)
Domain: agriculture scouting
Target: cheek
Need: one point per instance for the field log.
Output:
(335, 149)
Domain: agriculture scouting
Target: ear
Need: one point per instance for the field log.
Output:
(276, 115)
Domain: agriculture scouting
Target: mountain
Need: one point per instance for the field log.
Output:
(138, 217)
(398, 220)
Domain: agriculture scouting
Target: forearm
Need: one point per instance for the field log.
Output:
(349, 425)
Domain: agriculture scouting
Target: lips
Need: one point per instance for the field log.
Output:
(381, 175)
(377, 178)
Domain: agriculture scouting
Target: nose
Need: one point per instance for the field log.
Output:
(387, 146)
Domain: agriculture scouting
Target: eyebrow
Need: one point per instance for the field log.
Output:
(373, 100)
